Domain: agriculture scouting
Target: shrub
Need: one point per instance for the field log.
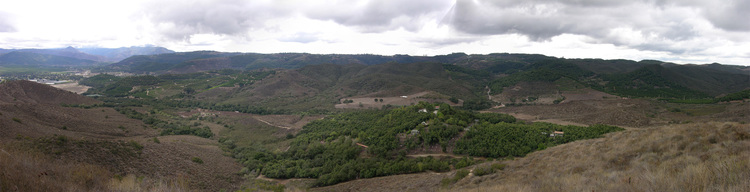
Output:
(197, 160)
(498, 166)
(156, 140)
(61, 140)
(483, 170)
(460, 174)
(16, 120)
(453, 100)
(135, 145)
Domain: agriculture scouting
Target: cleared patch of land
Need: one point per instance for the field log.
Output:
(72, 87)
(402, 100)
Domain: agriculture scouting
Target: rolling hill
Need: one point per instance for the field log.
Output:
(213, 120)
(666, 79)
(118, 54)
(71, 57)
(49, 147)
(31, 59)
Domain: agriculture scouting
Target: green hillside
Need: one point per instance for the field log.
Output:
(498, 70)
(374, 143)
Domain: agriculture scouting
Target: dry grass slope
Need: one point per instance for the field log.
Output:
(693, 157)
(21, 170)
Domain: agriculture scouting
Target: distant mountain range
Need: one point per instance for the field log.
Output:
(117, 54)
(692, 80)
(72, 57)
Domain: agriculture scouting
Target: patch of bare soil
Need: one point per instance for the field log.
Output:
(586, 94)
(547, 93)
(532, 118)
(622, 112)
(291, 123)
(294, 122)
(72, 87)
(32, 92)
(522, 90)
(402, 100)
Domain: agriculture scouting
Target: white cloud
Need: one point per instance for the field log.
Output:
(672, 30)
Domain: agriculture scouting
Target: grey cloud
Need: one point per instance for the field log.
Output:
(539, 21)
(5, 24)
(660, 22)
(180, 19)
(730, 15)
(381, 15)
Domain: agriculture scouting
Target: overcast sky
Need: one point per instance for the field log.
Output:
(681, 31)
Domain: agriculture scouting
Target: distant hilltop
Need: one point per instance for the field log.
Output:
(71, 56)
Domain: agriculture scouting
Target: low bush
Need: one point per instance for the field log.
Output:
(483, 170)
(197, 160)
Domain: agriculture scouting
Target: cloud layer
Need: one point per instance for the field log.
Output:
(675, 30)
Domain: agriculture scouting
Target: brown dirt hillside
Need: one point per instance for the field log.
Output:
(99, 148)
(622, 112)
(23, 91)
(629, 112)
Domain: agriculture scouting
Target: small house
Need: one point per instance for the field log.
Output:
(423, 110)
(557, 134)
(404, 97)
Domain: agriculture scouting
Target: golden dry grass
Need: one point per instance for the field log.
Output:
(22, 170)
(690, 157)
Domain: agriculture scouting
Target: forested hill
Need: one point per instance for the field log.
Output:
(321, 86)
(71, 57)
(373, 143)
(38, 60)
(709, 80)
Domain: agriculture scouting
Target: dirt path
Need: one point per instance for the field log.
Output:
(266, 122)
(440, 155)
(280, 181)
